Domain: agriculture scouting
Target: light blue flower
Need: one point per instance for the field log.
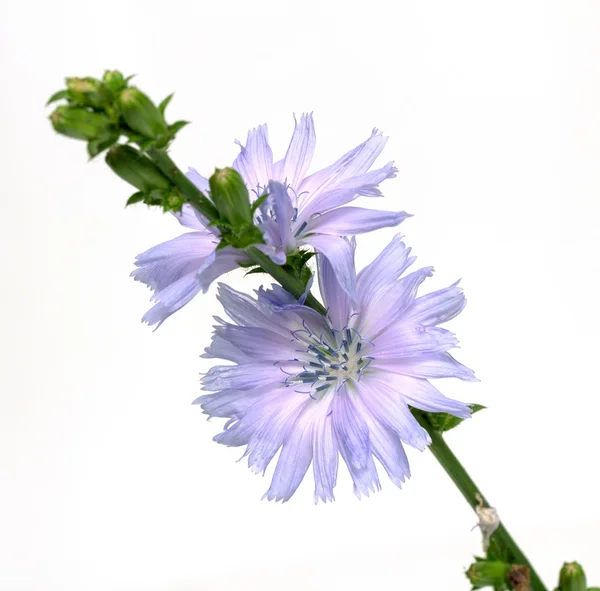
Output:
(301, 210)
(316, 388)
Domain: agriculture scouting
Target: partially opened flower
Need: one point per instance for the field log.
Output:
(300, 211)
(318, 387)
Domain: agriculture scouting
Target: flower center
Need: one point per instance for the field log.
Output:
(328, 361)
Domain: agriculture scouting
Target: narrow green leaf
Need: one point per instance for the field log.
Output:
(163, 104)
(144, 144)
(258, 203)
(175, 127)
(98, 145)
(135, 198)
(256, 270)
(61, 94)
(442, 421)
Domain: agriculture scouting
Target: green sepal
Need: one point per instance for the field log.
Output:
(177, 126)
(135, 198)
(258, 203)
(98, 145)
(173, 202)
(145, 144)
(255, 270)
(442, 421)
(572, 577)
(132, 136)
(244, 236)
(163, 104)
(57, 96)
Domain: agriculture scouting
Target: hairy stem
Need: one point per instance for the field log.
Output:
(206, 208)
(287, 281)
(187, 188)
(469, 490)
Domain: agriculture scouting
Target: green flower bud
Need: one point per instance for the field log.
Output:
(114, 80)
(138, 170)
(487, 574)
(141, 114)
(572, 577)
(89, 92)
(230, 196)
(80, 124)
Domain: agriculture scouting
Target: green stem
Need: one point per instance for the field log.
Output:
(205, 207)
(469, 490)
(287, 281)
(187, 188)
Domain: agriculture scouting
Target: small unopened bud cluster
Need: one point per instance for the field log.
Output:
(100, 112)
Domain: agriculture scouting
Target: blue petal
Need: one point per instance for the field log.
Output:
(383, 271)
(354, 163)
(311, 204)
(430, 365)
(352, 436)
(284, 212)
(387, 306)
(242, 377)
(258, 343)
(410, 341)
(255, 160)
(171, 269)
(349, 221)
(340, 253)
(296, 455)
(335, 298)
(387, 448)
(388, 408)
(325, 454)
(200, 181)
(437, 307)
(299, 153)
(190, 217)
(218, 263)
(423, 395)
(170, 299)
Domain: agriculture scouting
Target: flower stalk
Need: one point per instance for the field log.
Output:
(465, 484)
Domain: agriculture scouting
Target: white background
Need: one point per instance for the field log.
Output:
(109, 477)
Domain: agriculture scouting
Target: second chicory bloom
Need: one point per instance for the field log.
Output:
(319, 387)
(300, 211)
